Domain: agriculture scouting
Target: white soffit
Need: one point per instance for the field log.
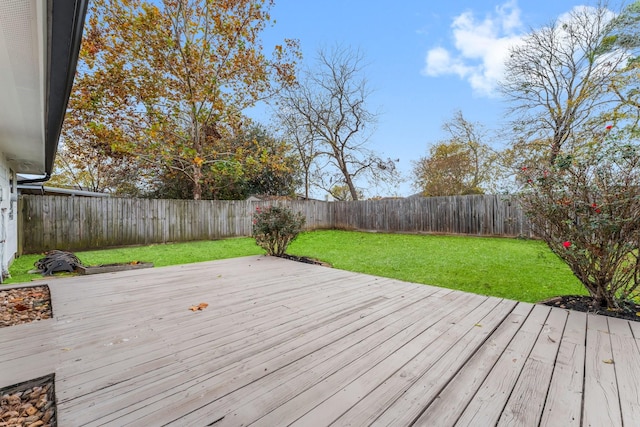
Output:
(22, 84)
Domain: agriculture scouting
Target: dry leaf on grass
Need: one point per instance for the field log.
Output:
(199, 307)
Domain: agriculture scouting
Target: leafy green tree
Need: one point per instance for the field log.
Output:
(447, 171)
(167, 82)
(258, 163)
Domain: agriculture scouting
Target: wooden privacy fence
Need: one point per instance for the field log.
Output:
(482, 215)
(74, 223)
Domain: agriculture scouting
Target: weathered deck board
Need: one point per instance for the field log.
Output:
(419, 347)
(289, 343)
(407, 406)
(176, 378)
(460, 389)
(530, 392)
(486, 407)
(563, 406)
(446, 348)
(262, 396)
(626, 355)
(601, 394)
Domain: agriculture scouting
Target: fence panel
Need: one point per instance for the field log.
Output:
(75, 223)
(481, 215)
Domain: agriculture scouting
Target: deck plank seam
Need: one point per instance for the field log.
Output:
(462, 365)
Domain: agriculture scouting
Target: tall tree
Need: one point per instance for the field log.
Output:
(584, 197)
(258, 163)
(461, 164)
(94, 169)
(328, 108)
(302, 138)
(558, 79)
(447, 171)
(168, 81)
(624, 32)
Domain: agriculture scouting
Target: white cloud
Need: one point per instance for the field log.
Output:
(439, 62)
(480, 48)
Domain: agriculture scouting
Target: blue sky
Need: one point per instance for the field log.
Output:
(426, 59)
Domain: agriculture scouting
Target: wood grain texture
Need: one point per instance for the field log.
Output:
(563, 406)
(283, 342)
(601, 394)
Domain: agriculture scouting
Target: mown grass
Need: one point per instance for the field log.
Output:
(524, 270)
(160, 255)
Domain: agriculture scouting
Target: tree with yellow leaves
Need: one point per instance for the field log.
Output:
(167, 82)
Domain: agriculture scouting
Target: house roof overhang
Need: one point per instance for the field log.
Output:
(39, 46)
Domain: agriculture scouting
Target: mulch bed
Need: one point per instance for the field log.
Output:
(305, 259)
(630, 311)
(24, 305)
(29, 404)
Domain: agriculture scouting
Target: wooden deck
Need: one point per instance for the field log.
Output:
(286, 343)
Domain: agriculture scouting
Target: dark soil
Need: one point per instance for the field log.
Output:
(630, 311)
(305, 259)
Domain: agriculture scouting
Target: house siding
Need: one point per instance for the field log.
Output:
(8, 216)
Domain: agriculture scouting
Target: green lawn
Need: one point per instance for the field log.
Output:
(159, 255)
(524, 270)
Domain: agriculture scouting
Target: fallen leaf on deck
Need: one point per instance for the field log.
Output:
(199, 307)
(478, 325)
(608, 361)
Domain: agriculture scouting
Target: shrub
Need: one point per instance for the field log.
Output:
(275, 227)
(586, 206)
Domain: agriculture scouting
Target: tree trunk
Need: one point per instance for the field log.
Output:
(197, 182)
(352, 188)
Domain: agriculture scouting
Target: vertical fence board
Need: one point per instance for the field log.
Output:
(74, 223)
